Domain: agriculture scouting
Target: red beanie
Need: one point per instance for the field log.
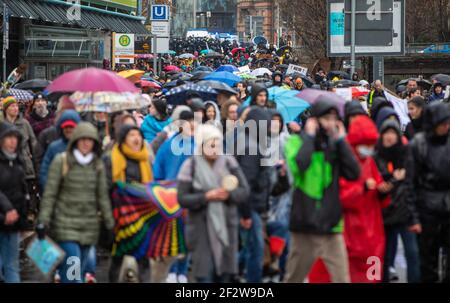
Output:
(362, 131)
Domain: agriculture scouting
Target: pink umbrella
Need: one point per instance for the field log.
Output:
(172, 68)
(91, 80)
(145, 83)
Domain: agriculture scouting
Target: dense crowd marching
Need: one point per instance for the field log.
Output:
(346, 186)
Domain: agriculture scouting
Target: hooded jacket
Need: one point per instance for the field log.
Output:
(352, 108)
(151, 126)
(428, 169)
(316, 164)
(57, 146)
(378, 103)
(437, 97)
(251, 148)
(12, 183)
(363, 221)
(280, 74)
(73, 198)
(384, 114)
(256, 89)
(216, 121)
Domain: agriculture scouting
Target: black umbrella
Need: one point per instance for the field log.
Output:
(424, 84)
(442, 78)
(306, 80)
(174, 83)
(338, 73)
(181, 75)
(281, 50)
(203, 69)
(34, 85)
(345, 83)
(199, 76)
(218, 86)
(178, 95)
(214, 55)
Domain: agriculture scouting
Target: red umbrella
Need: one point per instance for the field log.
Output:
(239, 49)
(150, 84)
(172, 68)
(91, 80)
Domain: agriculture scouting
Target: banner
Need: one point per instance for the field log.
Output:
(297, 69)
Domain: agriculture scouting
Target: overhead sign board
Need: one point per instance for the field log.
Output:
(124, 48)
(160, 13)
(380, 28)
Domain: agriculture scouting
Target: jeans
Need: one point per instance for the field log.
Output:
(91, 262)
(9, 257)
(181, 266)
(411, 252)
(73, 270)
(254, 249)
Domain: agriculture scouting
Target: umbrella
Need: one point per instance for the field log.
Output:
(247, 77)
(186, 56)
(171, 52)
(205, 51)
(306, 80)
(183, 76)
(144, 56)
(226, 77)
(218, 86)
(283, 66)
(106, 102)
(199, 76)
(238, 49)
(443, 78)
(289, 104)
(151, 80)
(227, 68)
(260, 40)
(134, 75)
(312, 96)
(349, 93)
(424, 84)
(91, 80)
(34, 85)
(172, 68)
(173, 83)
(148, 84)
(178, 95)
(214, 54)
(259, 72)
(345, 83)
(203, 69)
(20, 94)
(338, 73)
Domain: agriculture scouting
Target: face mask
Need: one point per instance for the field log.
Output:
(365, 152)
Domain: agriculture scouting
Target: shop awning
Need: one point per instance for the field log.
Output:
(57, 13)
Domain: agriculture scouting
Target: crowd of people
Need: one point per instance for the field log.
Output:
(331, 207)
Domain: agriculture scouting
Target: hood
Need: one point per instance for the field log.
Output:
(384, 114)
(9, 129)
(273, 113)
(322, 107)
(256, 89)
(68, 115)
(258, 114)
(85, 130)
(216, 108)
(377, 104)
(353, 108)
(362, 131)
(277, 73)
(434, 114)
(391, 124)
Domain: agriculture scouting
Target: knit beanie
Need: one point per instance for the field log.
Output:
(7, 102)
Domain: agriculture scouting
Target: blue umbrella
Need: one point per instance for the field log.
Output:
(203, 69)
(289, 105)
(227, 68)
(179, 94)
(225, 77)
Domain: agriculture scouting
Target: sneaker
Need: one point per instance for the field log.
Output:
(182, 279)
(393, 275)
(90, 278)
(171, 278)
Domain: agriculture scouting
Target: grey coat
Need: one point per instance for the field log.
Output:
(196, 229)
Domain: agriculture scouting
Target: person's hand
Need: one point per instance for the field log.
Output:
(385, 187)
(246, 223)
(416, 228)
(40, 231)
(399, 174)
(218, 194)
(311, 126)
(340, 132)
(371, 184)
(294, 127)
(11, 217)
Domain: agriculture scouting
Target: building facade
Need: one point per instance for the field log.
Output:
(53, 36)
(257, 18)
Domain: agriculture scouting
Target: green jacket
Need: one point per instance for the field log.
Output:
(75, 194)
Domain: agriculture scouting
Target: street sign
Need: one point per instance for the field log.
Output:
(379, 28)
(208, 14)
(296, 69)
(161, 28)
(160, 13)
(347, 64)
(162, 45)
(124, 48)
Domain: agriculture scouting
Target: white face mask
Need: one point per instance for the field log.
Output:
(365, 152)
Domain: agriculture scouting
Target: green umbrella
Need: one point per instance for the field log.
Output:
(247, 77)
(204, 52)
(171, 52)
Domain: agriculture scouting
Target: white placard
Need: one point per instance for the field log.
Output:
(296, 69)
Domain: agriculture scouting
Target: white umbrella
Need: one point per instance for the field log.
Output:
(259, 72)
(186, 56)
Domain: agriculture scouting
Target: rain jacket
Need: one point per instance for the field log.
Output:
(73, 198)
(151, 127)
(362, 208)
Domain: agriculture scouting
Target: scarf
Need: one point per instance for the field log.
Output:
(119, 157)
(83, 160)
(9, 156)
(209, 177)
(40, 113)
